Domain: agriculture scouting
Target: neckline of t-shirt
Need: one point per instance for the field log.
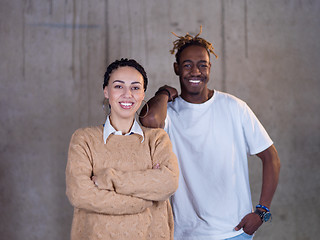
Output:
(200, 105)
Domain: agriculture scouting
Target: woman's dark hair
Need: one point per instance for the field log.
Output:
(124, 62)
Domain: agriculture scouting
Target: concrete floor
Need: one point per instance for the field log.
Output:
(54, 55)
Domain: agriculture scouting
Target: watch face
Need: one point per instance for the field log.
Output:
(266, 216)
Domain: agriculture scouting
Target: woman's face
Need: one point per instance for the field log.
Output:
(125, 92)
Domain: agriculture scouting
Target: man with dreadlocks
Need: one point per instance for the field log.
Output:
(212, 132)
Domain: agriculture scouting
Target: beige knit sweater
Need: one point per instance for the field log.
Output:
(132, 200)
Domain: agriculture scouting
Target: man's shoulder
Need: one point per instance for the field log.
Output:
(227, 98)
(219, 98)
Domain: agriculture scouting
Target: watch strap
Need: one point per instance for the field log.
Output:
(265, 216)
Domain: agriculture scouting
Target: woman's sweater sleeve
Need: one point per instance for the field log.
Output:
(82, 192)
(151, 184)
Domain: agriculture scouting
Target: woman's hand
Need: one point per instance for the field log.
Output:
(103, 179)
(94, 179)
(157, 166)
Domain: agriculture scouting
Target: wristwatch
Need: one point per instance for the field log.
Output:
(265, 216)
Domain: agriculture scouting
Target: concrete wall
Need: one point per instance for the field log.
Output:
(53, 57)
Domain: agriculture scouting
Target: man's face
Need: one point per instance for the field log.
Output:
(193, 70)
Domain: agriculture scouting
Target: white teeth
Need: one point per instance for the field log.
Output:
(194, 81)
(126, 104)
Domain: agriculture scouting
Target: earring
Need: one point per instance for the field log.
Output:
(146, 104)
(106, 106)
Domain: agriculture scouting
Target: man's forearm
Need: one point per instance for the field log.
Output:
(155, 114)
(271, 170)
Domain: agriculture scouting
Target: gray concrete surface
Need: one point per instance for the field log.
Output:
(53, 57)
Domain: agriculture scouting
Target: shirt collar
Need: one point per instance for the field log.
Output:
(109, 129)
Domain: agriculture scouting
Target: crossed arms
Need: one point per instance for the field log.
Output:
(119, 192)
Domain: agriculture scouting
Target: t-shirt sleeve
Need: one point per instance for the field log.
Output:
(257, 138)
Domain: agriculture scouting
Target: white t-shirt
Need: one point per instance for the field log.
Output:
(211, 141)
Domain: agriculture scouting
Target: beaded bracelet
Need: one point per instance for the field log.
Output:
(263, 207)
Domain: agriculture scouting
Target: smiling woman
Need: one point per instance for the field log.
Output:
(120, 175)
(125, 93)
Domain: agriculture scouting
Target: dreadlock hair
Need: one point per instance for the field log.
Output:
(124, 62)
(185, 41)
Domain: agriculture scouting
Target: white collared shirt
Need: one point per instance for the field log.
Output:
(109, 129)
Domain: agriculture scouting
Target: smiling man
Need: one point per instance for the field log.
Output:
(193, 69)
(212, 133)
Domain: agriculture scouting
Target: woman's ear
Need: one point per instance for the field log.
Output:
(105, 91)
